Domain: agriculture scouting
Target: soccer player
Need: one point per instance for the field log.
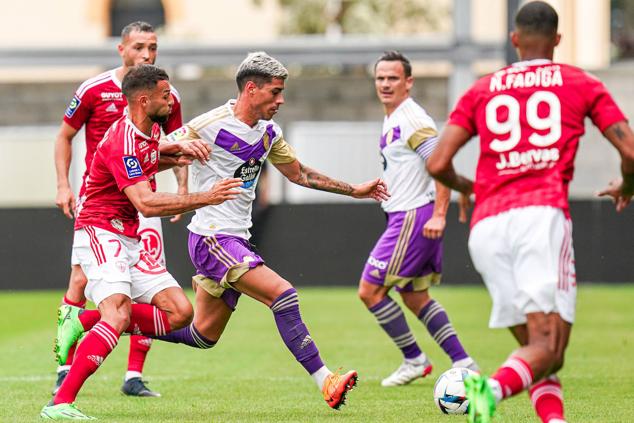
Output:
(242, 135)
(529, 117)
(97, 103)
(121, 184)
(408, 256)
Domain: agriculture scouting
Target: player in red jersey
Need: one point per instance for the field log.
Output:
(97, 103)
(529, 117)
(120, 184)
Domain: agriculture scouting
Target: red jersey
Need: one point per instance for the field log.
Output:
(529, 117)
(124, 157)
(99, 102)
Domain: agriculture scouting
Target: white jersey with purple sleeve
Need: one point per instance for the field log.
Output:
(237, 151)
(409, 136)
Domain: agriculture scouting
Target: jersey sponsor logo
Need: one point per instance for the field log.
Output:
(117, 224)
(516, 77)
(152, 243)
(379, 264)
(111, 96)
(143, 145)
(72, 107)
(112, 108)
(248, 172)
(132, 166)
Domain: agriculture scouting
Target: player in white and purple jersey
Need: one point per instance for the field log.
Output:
(241, 136)
(96, 105)
(408, 256)
(529, 117)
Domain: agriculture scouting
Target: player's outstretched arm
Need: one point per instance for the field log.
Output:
(435, 226)
(621, 190)
(152, 204)
(184, 152)
(310, 178)
(181, 173)
(64, 199)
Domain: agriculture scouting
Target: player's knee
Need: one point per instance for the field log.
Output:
(182, 315)
(77, 281)
(118, 318)
(369, 296)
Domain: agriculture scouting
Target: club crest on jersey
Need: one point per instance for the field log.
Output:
(153, 156)
(72, 107)
(132, 166)
(248, 172)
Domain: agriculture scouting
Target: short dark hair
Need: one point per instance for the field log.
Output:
(142, 77)
(538, 18)
(139, 26)
(394, 56)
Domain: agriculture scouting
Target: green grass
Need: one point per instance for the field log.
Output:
(250, 376)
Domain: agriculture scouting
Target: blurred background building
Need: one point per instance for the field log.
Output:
(332, 116)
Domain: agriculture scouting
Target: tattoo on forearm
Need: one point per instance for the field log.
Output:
(312, 179)
(618, 131)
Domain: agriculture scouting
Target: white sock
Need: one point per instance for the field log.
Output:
(465, 362)
(496, 388)
(129, 375)
(320, 376)
(421, 359)
(63, 368)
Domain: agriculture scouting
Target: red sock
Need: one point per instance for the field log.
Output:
(146, 319)
(94, 349)
(514, 376)
(139, 347)
(548, 399)
(89, 318)
(71, 351)
(66, 301)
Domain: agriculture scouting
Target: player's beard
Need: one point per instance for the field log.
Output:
(159, 118)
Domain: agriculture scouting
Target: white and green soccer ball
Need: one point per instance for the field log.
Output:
(449, 391)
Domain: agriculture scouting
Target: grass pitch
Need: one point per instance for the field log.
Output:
(250, 376)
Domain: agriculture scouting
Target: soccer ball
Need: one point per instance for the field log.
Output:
(449, 391)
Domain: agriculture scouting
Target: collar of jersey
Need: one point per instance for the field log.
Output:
(533, 62)
(137, 130)
(403, 104)
(230, 104)
(113, 75)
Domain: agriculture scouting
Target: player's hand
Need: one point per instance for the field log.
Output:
(464, 204)
(65, 200)
(224, 190)
(375, 189)
(615, 190)
(195, 150)
(434, 227)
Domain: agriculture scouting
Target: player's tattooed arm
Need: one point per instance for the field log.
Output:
(621, 190)
(302, 175)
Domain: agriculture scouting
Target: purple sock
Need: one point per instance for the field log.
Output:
(188, 335)
(294, 333)
(435, 318)
(392, 320)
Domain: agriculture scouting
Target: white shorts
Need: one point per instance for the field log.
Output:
(151, 233)
(116, 264)
(526, 259)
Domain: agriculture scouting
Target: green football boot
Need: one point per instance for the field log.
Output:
(69, 329)
(63, 411)
(481, 399)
